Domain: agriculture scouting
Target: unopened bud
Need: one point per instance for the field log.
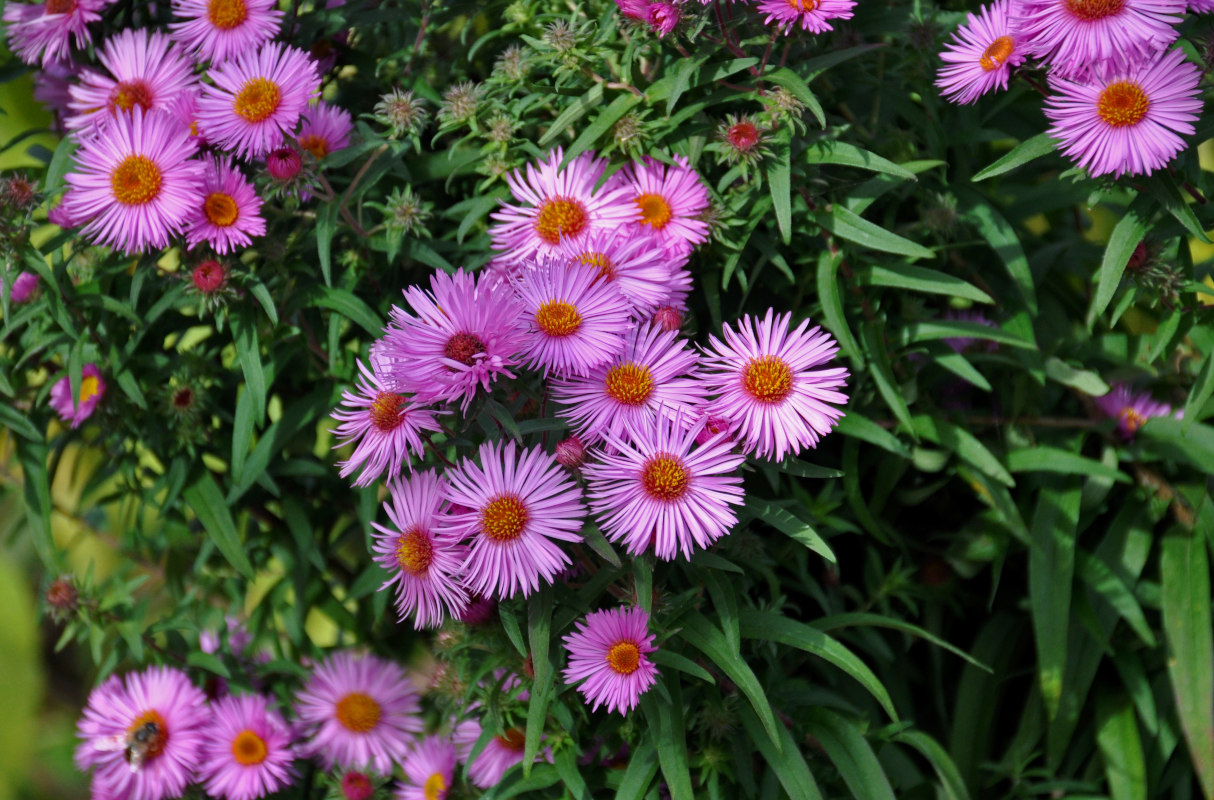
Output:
(357, 786)
(669, 317)
(284, 164)
(571, 453)
(209, 276)
(62, 596)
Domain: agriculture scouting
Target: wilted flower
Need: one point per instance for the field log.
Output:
(406, 212)
(401, 112)
(512, 64)
(460, 103)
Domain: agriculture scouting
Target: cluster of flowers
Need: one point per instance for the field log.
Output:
(663, 16)
(1121, 95)
(587, 288)
(159, 130)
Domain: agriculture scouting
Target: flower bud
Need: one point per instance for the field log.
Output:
(571, 453)
(357, 786)
(62, 596)
(284, 164)
(209, 276)
(669, 318)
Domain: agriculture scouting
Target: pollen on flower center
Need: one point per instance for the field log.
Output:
(150, 731)
(624, 657)
(655, 211)
(358, 712)
(513, 739)
(435, 785)
(227, 14)
(258, 99)
(220, 209)
(248, 748)
(89, 388)
(128, 94)
(60, 6)
(314, 144)
(1131, 419)
(997, 54)
(767, 379)
(600, 260)
(386, 411)
(1092, 10)
(630, 384)
(560, 217)
(135, 181)
(664, 477)
(504, 518)
(414, 552)
(1122, 104)
(557, 318)
(804, 6)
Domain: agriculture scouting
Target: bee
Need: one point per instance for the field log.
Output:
(135, 745)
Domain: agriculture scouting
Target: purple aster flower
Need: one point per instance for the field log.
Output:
(556, 203)
(464, 336)
(1131, 409)
(23, 287)
(385, 425)
(429, 768)
(981, 55)
(325, 129)
(514, 507)
(53, 87)
(136, 185)
(92, 389)
(1079, 38)
(357, 786)
(1129, 122)
(247, 753)
(667, 201)
(145, 71)
(221, 29)
(655, 370)
(43, 32)
(425, 567)
(499, 754)
(256, 98)
(656, 493)
(575, 320)
(142, 735)
(764, 380)
(359, 711)
(609, 652)
(812, 15)
(633, 261)
(479, 611)
(662, 17)
(230, 212)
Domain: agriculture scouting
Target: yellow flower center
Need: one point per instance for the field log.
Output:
(436, 787)
(767, 379)
(358, 712)
(600, 260)
(504, 518)
(135, 181)
(248, 748)
(128, 94)
(655, 211)
(227, 14)
(997, 54)
(1092, 10)
(1131, 419)
(624, 658)
(414, 552)
(665, 477)
(257, 99)
(804, 6)
(149, 731)
(220, 209)
(1122, 104)
(560, 217)
(386, 412)
(630, 384)
(315, 144)
(556, 318)
(90, 387)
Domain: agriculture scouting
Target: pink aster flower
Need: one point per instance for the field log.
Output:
(662, 17)
(92, 389)
(53, 87)
(556, 203)
(667, 201)
(230, 212)
(609, 652)
(221, 29)
(359, 711)
(631, 260)
(465, 335)
(256, 98)
(429, 768)
(499, 754)
(634, 9)
(385, 425)
(1129, 122)
(656, 370)
(424, 567)
(357, 786)
(1132, 409)
(514, 507)
(1081, 38)
(23, 287)
(575, 321)
(247, 753)
(655, 493)
(142, 735)
(145, 71)
(43, 32)
(325, 129)
(136, 185)
(981, 55)
(764, 380)
(812, 15)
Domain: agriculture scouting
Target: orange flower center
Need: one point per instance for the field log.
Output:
(227, 14)
(248, 748)
(1131, 419)
(149, 732)
(504, 518)
(804, 6)
(462, 347)
(655, 211)
(600, 260)
(315, 144)
(358, 712)
(257, 99)
(220, 209)
(630, 384)
(1122, 104)
(90, 387)
(386, 413)
(135, 181)
(1092, 10)
(997, 54)
(624, 658)
(60, 6)
(767, 379)
(414, 552)
(513, 739)
(128, 94)
(556, 318)
(665, 477)
(435, 787)
(560, 216)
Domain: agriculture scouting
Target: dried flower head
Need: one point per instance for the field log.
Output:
(460, 103)
(406, 213)
(512, 64)
(560, 37)
(62, 597)
(500, 128)
(18, 193)
(402, 113)
(629, 132)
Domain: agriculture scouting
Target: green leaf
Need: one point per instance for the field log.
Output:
(950, 328)
(565, 761)
(326, 226)
(850, 753)
(1051, 571)
(641, 769)
(1120, 746)
(960, 366)
(1084, 380)
(1125, 238)
(779, 182)
(212, 511)
(595, 540)
(919, 279)
(864, 429)
(1180, 439)
(248, 351)
(830, 151)
(951, 781)
(1102, 580)
(208, 661)
(848, 225)
(1002, 238)
(242, 434)
(721, 590)
(513, 632)
(1203, 387)
(786, 760)
(602, 123)
(786, 523)
(968, 448)
(19, 423)
(837, 621)
(800, 89)
(34, 457)
(573, 113)
(1021, 154)
(1041, 458)
(665, 722)
(668, 658)
(883, 373)
(348, 305)
(1163, 187)
(832, 304)
(262, 295)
